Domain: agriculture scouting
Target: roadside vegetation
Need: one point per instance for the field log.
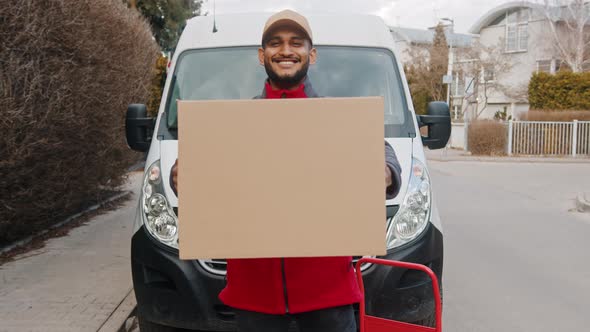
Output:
(562, 97)
(565, 116)
(487, 137)
(68, 70)
(562, 91)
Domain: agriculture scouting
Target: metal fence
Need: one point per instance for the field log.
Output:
(549, 138)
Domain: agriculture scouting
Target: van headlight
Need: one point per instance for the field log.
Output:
(414, 213)
(157, 214)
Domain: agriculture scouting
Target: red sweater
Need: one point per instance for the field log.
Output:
(289, 285)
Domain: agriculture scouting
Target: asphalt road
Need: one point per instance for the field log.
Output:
(517, 255)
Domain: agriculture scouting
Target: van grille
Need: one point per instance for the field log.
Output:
(219, 266)
(215, 266)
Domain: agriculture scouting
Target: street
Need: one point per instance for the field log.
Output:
(516, 252)
(100, 99)
(516, 256)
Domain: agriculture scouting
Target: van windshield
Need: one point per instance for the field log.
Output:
(234, 73)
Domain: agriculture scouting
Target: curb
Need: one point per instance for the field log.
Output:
(583, 202)
(510, 159)
(136, 167)
(116, 320)
(27, 240)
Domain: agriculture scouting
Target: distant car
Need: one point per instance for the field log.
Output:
(356, 57)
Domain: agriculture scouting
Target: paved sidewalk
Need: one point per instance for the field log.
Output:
(75, 282)
(460, 155)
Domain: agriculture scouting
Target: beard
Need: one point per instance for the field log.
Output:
(286, 81)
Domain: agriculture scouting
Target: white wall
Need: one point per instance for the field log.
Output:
(458, 137)
(523, 64)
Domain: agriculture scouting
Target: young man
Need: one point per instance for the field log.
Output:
(317, 292)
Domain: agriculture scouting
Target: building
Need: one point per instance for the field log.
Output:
(518, 40)
(405, 38)
(523, 33)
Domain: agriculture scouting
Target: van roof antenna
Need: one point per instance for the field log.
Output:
(214, 25)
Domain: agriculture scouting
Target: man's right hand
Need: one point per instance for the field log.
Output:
(174, 174)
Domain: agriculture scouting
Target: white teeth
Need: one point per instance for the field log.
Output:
(286, 62)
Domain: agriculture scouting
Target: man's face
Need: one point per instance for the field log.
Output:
(286, 56)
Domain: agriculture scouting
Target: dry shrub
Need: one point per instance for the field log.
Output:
(68, 70)
(487, 137)
(565, 116)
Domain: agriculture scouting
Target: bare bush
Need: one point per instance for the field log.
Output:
(565, 116)
(68, 69)
(487, 137)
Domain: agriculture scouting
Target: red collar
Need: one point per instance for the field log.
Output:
(276, 94)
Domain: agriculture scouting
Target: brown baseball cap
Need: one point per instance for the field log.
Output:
(286, 18)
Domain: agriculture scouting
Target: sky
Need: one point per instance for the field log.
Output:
(419, 14)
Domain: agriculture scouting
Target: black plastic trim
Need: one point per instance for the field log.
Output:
(174, 292)
(401, 294)
(180, 293)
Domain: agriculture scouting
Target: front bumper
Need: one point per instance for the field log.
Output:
(178, 293)
(405, 295)
(175, 292)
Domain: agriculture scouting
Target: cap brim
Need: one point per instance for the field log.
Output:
(284, 23)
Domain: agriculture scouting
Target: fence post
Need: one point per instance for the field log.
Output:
(510, 137)
(466, 136)
(575, 138)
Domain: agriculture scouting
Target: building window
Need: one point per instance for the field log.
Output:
(511, 40)
(549, 66)
(543, 66)
(523, 36)
(517, 30)
(488, 73)
(458, 87)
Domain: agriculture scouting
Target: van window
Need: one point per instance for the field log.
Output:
(234, 73)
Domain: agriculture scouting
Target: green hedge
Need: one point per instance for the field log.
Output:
(157, 86)
(420, 99)
(562, 91)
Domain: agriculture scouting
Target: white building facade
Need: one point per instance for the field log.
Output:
(521, 37)
(523, 32)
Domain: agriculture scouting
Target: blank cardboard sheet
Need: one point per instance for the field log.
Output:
(281, 178)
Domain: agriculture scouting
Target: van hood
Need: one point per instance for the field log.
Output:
(402, 147)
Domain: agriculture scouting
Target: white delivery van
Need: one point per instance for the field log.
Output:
(356, 57)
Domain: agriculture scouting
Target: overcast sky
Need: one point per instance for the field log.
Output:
(405, 13)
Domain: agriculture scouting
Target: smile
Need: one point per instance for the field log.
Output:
(286, 62)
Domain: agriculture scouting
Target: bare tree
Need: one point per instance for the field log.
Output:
(481, 66)
(569, 21)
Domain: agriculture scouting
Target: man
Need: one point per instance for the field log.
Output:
(316, 292)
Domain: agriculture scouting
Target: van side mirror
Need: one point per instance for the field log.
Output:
(438, 121)
(138, 127)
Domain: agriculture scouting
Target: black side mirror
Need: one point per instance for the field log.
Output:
(138, 127)
(438, 121)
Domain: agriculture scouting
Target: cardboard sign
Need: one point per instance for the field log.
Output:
(281, 178)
